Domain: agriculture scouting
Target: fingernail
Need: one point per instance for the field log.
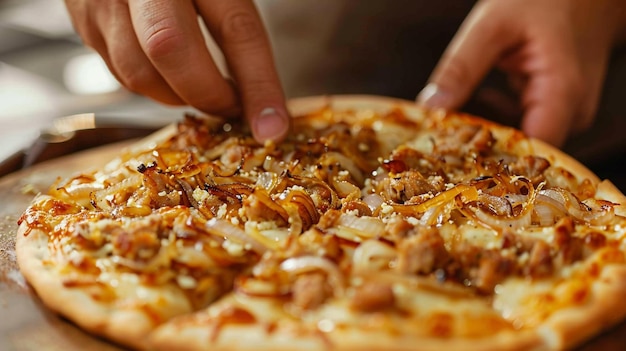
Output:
(433, 96)
(271, 124)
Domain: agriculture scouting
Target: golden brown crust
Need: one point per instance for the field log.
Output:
(128, 327)
(235, 338)
(606, 306)
(123, 322)
(561, 159)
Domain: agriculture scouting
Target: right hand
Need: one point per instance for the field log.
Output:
(156, 48)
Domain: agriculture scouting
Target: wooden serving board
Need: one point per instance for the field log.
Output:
(27, 325)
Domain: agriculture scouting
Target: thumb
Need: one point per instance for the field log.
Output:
(474, 50)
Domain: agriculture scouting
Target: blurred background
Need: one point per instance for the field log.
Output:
(46, 72)
(321, 47)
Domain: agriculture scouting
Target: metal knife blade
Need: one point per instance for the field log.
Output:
(74, 133)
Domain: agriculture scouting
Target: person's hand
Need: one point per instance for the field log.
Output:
(555, 53)
(156, 48)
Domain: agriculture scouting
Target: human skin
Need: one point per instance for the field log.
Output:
(156, 48)
(555, 54)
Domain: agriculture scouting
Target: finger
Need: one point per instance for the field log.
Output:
(88, 22)
(472, 52)
(85, 25)
(126, 58)
(550, 109)
(169, 34)
(238, 29)
(555, 91)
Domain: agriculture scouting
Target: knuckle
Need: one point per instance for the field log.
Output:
(212, 101)
(162, 39)
(136, 78)
(261, 89)
(241, 27)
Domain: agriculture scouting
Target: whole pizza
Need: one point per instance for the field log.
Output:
(376, 225)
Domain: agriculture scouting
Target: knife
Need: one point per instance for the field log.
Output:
(78, 132)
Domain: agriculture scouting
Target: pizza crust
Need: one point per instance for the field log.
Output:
(126, 326)
(234, 338)
(275, 332)
(606, 306)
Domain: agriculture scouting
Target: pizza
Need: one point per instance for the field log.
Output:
(376, 225)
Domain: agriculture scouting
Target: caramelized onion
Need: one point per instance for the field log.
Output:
(188, 191)
(103, 199)
(373, 201)
(267, 180)
(499, 222)
(260, 204)
(259, 287)
(77, 192)
(600, 214)
(349, 225)
(319, 188)
(345, 189)
(372, 255)
(305, 213)
(161, 259)
(468, 193)
(230, 231)
(496, 204)
(345, 163)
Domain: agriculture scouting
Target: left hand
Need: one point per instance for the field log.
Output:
(554, 52)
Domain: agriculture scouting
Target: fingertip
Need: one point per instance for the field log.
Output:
(433, 96)
(272, 123)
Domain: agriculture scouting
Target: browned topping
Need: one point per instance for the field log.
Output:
(406, 185)
(422, 252)
(493, 268)
(532, 167)
(329, 219)
(230, 315)
(372, 296)
(136, 244)
(323, 245)
(540, 261)
(236, 315)
(595, 240)
(441, 324)
(570, 247)
(309, 291)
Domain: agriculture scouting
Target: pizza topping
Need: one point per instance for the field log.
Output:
(309, 291)
(230, 231)
(422, 252)
(359, 213)
(373, 255)
(310, 263)
(372, 296)
(540, 260)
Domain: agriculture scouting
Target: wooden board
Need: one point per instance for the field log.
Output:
(26, 325)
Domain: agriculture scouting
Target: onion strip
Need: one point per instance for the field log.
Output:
(230, 231)
(469, 193)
